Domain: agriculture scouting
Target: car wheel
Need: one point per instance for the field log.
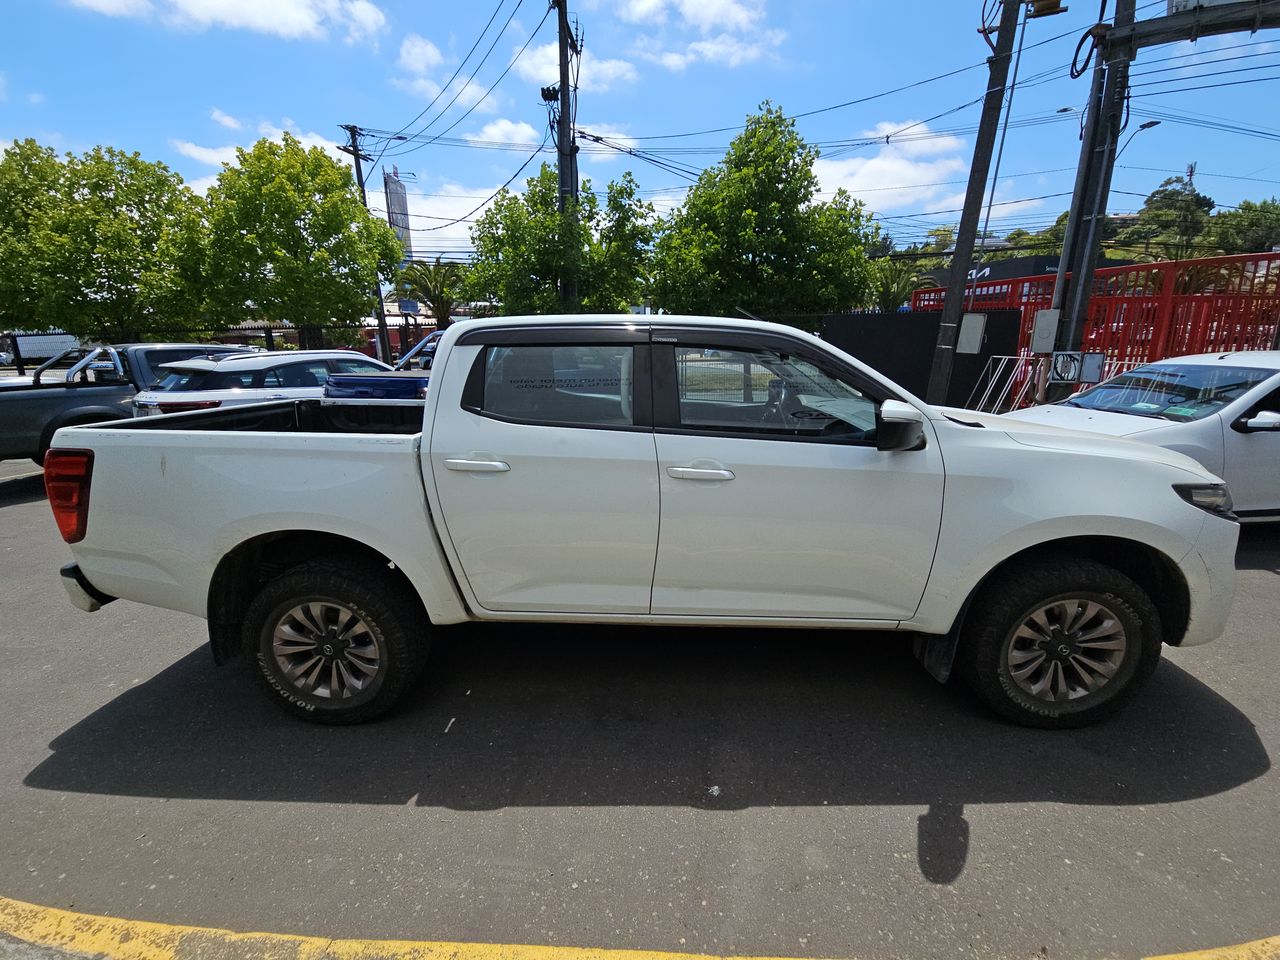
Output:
(1059, 644)
(336, 642)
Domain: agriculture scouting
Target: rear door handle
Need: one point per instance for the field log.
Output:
(478, 466)
(698, 473)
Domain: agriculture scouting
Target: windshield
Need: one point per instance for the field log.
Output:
(1179, 392)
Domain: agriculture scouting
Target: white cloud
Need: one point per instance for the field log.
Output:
(116, 8)
(507, 131)
(900, 174)
(308, 140)
(363, 21)
(643, 11)
(541, 65)
(419, 55)
(468, 95)
(706, 16)
(594, 153)
(723, 49)
(357, 20)
(201, 185)
(224, 119)
(213, 156)
(35, 99)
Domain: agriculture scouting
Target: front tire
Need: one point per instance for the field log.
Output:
(1060, 644)
(335, 642)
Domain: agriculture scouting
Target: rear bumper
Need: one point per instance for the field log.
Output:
(80, 591)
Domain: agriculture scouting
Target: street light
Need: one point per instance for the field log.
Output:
(1142, 126)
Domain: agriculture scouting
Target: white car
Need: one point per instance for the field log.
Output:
(606, 470)
(227, 380)
(1222, 409)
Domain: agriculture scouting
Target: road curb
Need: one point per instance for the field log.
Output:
(116, 939)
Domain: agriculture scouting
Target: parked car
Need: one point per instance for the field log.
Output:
(80, 385)
(422, 354)
(1222, 409)
(202, 383)
(570, 469)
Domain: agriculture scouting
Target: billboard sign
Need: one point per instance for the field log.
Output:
(398, 210)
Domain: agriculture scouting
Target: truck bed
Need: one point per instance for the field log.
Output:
(294, 416)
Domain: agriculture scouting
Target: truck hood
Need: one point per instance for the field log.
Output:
(1084, 442)
(1090, 421)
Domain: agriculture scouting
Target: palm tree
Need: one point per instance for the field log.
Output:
(892, 283)
(437, 285)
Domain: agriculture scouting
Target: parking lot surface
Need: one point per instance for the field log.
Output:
(728, 792)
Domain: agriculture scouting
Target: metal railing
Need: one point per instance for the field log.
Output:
(1008, 383)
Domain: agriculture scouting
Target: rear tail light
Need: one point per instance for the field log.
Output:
(186, 406)
(66, 480)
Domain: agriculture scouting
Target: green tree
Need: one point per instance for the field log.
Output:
(524, 246)
(892, 283)
(30, 184)
(118, 249)
(751, 234)
(438, 285)
(1250, 228)
(290, 239)
(1171, 223)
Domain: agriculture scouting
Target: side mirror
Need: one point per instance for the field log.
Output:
(899, 426)
(1263, 420)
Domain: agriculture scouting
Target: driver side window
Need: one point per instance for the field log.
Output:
(769, 393)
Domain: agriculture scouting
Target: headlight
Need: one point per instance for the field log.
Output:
(1213, 497)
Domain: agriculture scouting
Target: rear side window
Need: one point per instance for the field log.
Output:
(346, 365)
(589, 386)
(206, 380)
(310, 373)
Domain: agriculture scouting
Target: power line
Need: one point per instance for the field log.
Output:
(493, 16)
(483, 60)
(1207, 86)
(481, 206)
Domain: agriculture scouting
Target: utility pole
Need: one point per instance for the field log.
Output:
(1117, 46)
(984, 147)
(566, 148)
(357, 156)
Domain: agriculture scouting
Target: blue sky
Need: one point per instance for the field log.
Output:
(185, 81)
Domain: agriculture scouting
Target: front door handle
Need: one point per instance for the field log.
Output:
(478, 466)
(698, 473)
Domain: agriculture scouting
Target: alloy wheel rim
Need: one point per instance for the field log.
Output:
(326, 650)
(1066, 650)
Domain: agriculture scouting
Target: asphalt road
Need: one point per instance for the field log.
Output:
(794, 794)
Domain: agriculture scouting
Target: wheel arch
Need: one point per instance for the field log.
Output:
(243, 570)
(1154, 571)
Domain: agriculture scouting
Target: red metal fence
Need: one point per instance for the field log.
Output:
(1153, 310)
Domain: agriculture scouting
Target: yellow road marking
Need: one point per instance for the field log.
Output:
(139, 940)
(1268, 949)
(117, 939)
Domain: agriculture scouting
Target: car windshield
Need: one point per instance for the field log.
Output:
(1180, 392)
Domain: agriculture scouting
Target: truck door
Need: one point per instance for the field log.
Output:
(546, 472)
(775, 500)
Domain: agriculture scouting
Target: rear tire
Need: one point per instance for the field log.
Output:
(334, 642)
(1059, 643)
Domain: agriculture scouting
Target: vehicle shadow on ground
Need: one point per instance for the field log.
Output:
(710, 719)
(1259, 547)
(21, 490)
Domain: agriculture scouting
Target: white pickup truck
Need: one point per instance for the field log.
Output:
(662, 471)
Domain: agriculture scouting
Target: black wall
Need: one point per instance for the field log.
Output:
(900, 345)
